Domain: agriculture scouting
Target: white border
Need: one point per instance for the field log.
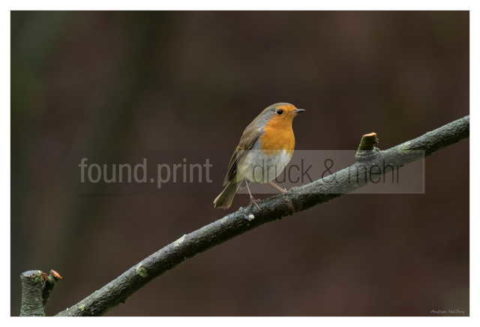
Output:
(5, 163)
(243, 5)
(240, 5)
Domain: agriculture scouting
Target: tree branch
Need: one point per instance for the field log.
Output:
(36, 288)
(273, 208)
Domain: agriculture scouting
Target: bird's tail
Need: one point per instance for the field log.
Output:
(225, 198)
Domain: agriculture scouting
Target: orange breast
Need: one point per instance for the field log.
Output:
(277, 138)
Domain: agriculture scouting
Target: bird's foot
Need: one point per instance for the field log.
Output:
(278, 187)
(254, 202)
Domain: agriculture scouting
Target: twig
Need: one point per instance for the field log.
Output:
(367, 148)
(36, 288)
(271, 209)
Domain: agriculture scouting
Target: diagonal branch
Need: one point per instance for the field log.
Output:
(273, 208)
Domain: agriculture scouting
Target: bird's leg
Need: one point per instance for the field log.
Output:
(252, 199)
(278, 187)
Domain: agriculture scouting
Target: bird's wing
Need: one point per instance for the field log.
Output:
(249, 137)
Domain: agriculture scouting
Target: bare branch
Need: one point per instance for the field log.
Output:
(273, 208)
(36, 288)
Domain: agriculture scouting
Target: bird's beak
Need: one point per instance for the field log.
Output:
(299, 110)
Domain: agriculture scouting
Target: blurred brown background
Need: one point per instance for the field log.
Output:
(117, 87)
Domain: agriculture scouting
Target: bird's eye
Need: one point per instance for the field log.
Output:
(279, 111)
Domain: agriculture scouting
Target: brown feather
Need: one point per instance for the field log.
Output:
(247, 141)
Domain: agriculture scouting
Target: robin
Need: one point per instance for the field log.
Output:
(265, 149)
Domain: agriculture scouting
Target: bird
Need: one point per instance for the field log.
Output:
(264, 150)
